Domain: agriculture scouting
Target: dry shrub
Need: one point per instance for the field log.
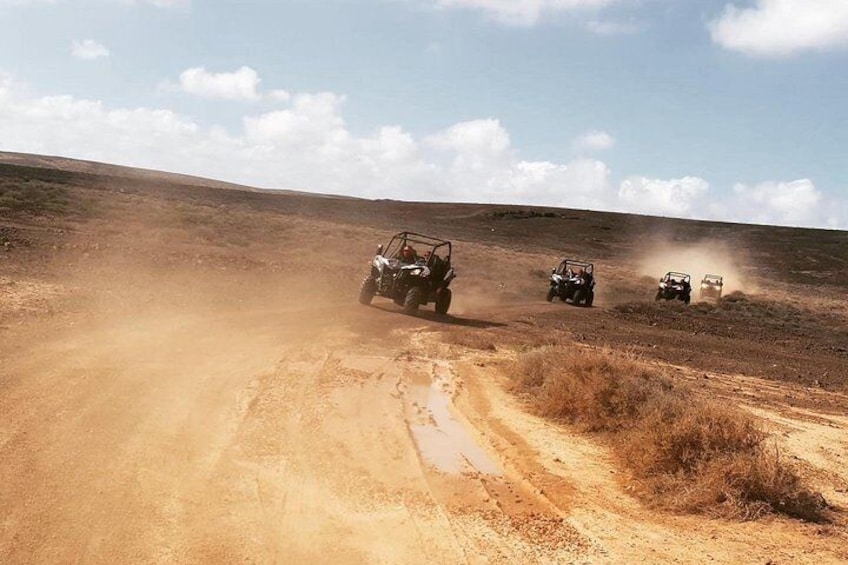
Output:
(690, 454)
(587, 389)
(676, 434)
(746, 486)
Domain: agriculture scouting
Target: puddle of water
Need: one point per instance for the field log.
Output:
(441, 439)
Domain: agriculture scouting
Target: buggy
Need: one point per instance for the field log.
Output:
(412, 270)
(711, 287)
(675, 286)
(573, 281)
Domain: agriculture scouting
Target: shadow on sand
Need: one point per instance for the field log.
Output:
(446, 319)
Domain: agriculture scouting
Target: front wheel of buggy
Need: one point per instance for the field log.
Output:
(590, 299)
(658, 297)
(551, 294)
(686, 300)
(412, 300)
(443, 301)
(367, 290)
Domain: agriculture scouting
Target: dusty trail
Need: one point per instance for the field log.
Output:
(329, 433)
(252, 436)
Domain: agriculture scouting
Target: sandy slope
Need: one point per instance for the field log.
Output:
(185, 378)
(313, 434)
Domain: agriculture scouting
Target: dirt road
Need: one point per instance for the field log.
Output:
(335, 433)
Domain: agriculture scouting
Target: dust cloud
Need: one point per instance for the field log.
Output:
(470, 297)
(698, 259)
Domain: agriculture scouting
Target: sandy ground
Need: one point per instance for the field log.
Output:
(185, 377)
(333, 433)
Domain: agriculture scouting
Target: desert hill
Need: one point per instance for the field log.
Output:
(186, 376)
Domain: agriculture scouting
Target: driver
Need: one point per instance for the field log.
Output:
(408, 255)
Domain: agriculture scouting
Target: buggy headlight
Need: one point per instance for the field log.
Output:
(415, 272)
(663, 285)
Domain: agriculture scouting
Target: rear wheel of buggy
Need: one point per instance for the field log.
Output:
(443, 301)
(686, 299)
(412, 300)
(551, 294)
(367, 290)
(579, 297)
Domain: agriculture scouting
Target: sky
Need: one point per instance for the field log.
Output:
(731, 110)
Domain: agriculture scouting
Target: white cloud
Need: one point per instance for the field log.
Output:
(308, 146)
(279, 95)
(523, 12)
(675, 197)
(313, 120)
(788, 203)
(482, 166)
(475, 142)
(88, 49)
(781, 27)
(593, 141)
(238, 85)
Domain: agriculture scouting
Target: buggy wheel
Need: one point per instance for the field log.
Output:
(686, 299)
(579, 297)
(551, 294)
(412, 300)
(443, 301)
(590, 298)
(367, 290)
(658, 296)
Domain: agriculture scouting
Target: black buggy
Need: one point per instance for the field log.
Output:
(573, 281)
(413, 270)
(711, 287)
(675, 286)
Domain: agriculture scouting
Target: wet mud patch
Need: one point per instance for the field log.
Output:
(441, 437)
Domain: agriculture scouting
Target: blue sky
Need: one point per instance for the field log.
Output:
(731, 110)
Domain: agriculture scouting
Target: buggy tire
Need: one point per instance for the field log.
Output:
(686, 299)
(551, 294)
(591, 298)
(579, 297)
(367, 290)
(658, 297)
(412, 300)
(443, 301)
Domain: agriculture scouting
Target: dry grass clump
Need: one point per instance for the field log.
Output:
(586, 389)
(690, 454)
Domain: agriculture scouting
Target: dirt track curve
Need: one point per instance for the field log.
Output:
(336, 434)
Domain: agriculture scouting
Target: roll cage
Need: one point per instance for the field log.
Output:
(575, 266)
(716, 280)
(680, 277)
(439, 249)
